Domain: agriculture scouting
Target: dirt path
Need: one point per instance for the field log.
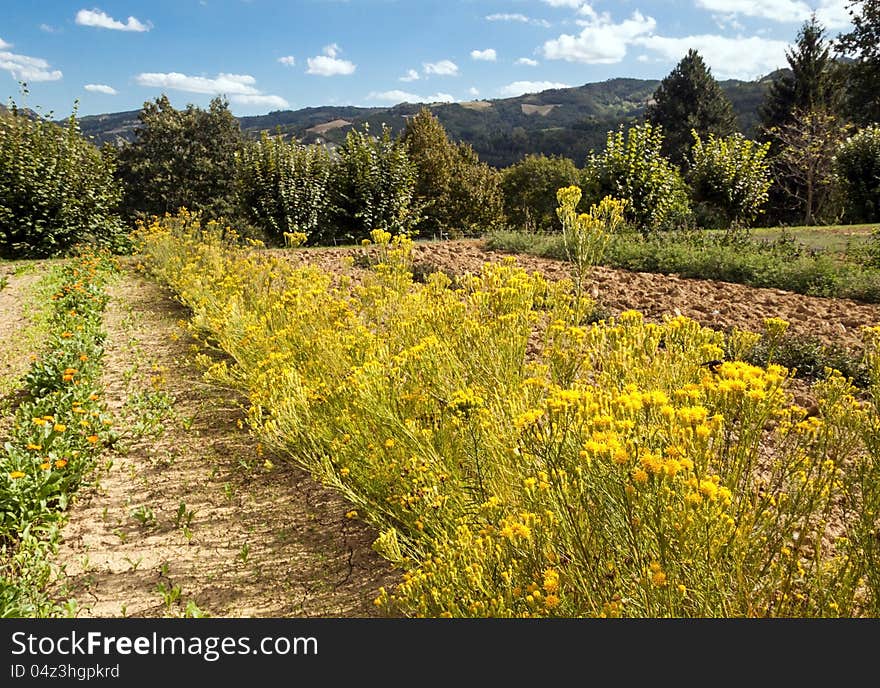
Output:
(712, 303)
(191, 519)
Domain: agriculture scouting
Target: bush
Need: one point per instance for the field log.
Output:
(373, 186)
(283, 188)
(857, 166)
(633, 169)
(56, 188)
(530, 186)
(729, 180)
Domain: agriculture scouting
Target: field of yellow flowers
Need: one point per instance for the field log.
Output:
(518, 461)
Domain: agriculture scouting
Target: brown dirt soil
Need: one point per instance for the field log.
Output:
(261, 542)
(712, 303)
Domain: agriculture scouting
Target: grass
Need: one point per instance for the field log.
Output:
(802, 260)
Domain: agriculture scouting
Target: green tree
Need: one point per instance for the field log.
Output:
(633, 168)
(806, 87)
(804, 166)
(373, 185)
(56, 188)
(283, 187)
(182, 158)
(689, 99)
(729, 179)
(457, 193)
(863, 44)
(857, 166)
(530, 187)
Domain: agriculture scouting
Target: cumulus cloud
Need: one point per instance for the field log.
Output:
(101, 20)
(26, 68)
(329, 64)
(573, 4)
(601, 41)
(516, 17)
(518, 88)
(487, 55)
(101, 88)
(527, 62)
(287, 60)
(397, 96)
(832, 13)
(729, 58)
(441, 68)
(411, 75)
(473, 91)
(274, 102)
(241, 88)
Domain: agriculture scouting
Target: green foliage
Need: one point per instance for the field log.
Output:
(863, 44)
(373, 186)
(283, 187)
(690, 99)
(806, 86)
(632, 168)
(857, 166)
(458, 194)
(729, 180)
(56, 188)
(181, 158)
(530, 187)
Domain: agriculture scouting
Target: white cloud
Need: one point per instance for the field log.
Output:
(441, 68)
(329, 64)
(287, 60)
(573, 4)
(411, 75)
(831, 13)
(232, 84)
(101, 20)
(26, 68)
(729, 58)
(601, 41)
(274, 102)
(487, 55)
(397, 96)
(473, 91)
(516, 17)
(48, 28)
(101, 88)
(518, 88)
(527, 62)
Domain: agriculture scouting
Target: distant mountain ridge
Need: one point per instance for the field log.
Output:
(564, 121)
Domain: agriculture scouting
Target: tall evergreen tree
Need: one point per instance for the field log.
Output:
(690, 99)
(863, 43)
(806, 87)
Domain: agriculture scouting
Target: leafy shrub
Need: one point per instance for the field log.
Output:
(283, 187)
(729, 180)
(56, 188)
(857, 166)
(632, 168)
(373, 186)
(530, 186)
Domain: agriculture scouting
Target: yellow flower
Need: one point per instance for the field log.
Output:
(351, 514)
(15, 475)
(551, 601)
(60, 463)
(58, 427)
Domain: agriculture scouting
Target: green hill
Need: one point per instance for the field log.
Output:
(567, 121)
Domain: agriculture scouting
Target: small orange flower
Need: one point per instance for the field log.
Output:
(46, 465)
(35, 447)
(60, 463)
(93, 439)
(83, 358)
(67, 335)
(59, 427)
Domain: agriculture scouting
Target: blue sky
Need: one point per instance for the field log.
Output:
(267, 55)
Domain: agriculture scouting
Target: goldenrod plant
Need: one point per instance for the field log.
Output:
(516, 464)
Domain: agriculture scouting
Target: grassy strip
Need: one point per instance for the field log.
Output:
(782, 264)
(57, 432)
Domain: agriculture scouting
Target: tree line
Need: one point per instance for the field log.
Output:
(816, 159)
